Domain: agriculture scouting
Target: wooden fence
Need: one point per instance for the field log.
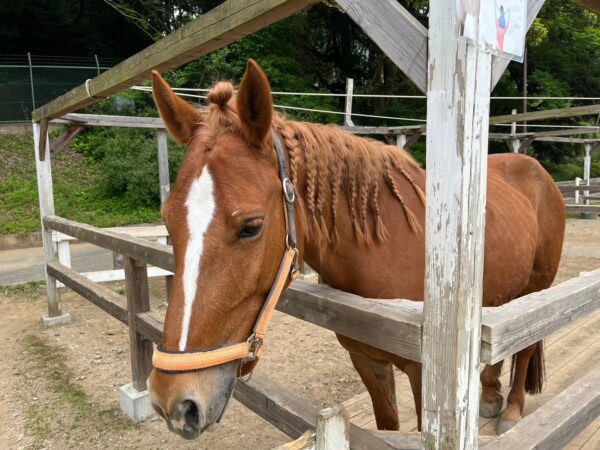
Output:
(458, 121)
(392, 325)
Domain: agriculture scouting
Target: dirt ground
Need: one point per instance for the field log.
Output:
(59, 387)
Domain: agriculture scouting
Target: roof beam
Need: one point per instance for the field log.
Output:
(219, 27)
(547, 114)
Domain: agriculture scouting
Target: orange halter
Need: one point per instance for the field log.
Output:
(187, 361)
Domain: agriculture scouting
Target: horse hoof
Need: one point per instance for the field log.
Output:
(490, 409)
(504, 425)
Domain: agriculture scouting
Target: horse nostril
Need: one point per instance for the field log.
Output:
(191, 415)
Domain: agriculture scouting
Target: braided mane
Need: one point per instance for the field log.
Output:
(335, 164)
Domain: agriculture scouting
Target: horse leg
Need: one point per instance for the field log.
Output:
(378, 377)
(413, 370)
(490, 402)
(527, 375)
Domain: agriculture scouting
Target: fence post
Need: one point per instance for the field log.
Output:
(348, 110)
(43, 168)
(31, 81)
(165, 187)
(332, 429)
(587, 164)
(97, 64)
(577, 183)
(458, 104)
(134, 397)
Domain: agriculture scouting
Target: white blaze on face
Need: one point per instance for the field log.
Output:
(200, 205)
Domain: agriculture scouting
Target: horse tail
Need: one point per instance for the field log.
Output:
(536, 370)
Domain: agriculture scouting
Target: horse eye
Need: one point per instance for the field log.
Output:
(250, 228)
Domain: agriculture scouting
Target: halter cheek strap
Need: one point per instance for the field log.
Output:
(250, 350)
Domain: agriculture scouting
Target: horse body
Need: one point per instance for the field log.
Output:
(360, 219)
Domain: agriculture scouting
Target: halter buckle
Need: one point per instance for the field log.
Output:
(255, 345)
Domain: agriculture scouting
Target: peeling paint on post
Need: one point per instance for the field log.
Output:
(457, 140)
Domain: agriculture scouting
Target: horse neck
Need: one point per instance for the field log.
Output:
(345, 185)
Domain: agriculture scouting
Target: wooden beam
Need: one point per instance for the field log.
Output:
(568, 132)
(592, 5)
(387, 324)
(358, 130)
(43, 168)
(576, 209)
(103, 297)
(553, 425)
(568, 140)
(547, 114)
(63, 140)
(106, 120)
(458, 101)
(528, 319)
(396, 32)
(138, 301)
(219, 27)
(44, 124)
(500, 64)
(148, 252)
(571, 189)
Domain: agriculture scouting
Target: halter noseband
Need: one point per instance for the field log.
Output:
(187, 361)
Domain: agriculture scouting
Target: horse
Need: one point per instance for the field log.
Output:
(358, 206)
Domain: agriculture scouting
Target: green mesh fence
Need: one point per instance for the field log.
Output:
(30, 81)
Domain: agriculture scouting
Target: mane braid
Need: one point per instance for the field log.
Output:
(327, 163)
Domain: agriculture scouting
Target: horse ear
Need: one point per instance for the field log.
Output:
(178, 115)
(254, 103)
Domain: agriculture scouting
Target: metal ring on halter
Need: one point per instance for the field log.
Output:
(87, 90)
(288, 190)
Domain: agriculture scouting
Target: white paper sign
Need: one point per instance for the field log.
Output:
(497, 25)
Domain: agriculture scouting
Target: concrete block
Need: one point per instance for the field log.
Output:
(134, 403)
(56, 321)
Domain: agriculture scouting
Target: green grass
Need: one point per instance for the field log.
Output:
(67, 411)
(30, 290)
(76, 190)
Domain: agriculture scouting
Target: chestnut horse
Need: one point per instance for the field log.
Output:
(360, 221)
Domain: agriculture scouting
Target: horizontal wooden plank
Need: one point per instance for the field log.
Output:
(150, 324)
(526, 320)
(568, 132)
(219, 27)
(389, 325)
(582, 187)
(555, 424)
(409, 129)
(103, 276)
(583, 209)
(158, 255)
(547, 114)
(106, 299)
(105, 120)
(142, 231)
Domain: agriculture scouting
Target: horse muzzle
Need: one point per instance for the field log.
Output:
(192, 402)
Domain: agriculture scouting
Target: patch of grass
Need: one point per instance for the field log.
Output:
(77, 191)
(77, 412)
(31, 289)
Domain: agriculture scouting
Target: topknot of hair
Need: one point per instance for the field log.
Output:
(221, 93)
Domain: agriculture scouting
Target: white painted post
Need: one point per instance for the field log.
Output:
(515, 145)
(587, 165)
(349, 91)
(64, 253)
(458, 104)
(165, 187)
(332, 429)
(163, 165)
(43, 168)
(401, 140)
(513, 125)
(577, 183)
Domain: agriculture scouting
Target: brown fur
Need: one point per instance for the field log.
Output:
(360, 216)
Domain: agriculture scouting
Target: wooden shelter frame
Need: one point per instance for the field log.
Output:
(457, 78)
